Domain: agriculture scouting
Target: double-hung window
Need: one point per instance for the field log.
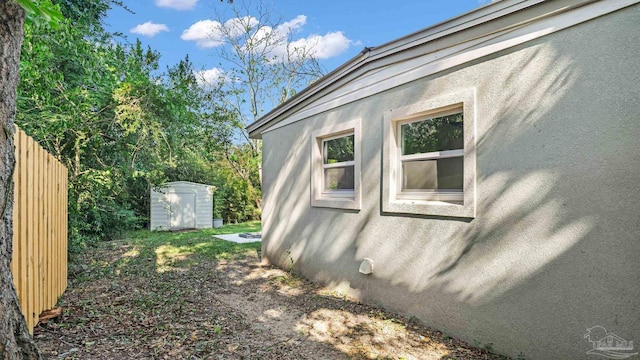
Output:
(429, 157)
(335, 173)
(338, 166)
(432, 157)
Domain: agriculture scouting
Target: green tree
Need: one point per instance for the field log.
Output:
(121, 125)
(435, 134)
(263, 67)
(117, 122)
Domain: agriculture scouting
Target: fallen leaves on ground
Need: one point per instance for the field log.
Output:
(134, 301)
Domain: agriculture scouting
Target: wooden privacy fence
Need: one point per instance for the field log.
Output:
(39, 261)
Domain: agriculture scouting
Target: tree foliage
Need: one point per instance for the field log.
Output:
(119, 123)
(122, 125)
(263, 68)
(339, 149)
(435, 134)
(41, 12)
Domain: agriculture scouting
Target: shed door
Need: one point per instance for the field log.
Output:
(183, 210)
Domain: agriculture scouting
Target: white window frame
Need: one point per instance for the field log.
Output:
(341, 199)
(429, 202)
(426, 195)
(340, 192)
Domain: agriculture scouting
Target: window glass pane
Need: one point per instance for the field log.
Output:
(339, 178)
(436, 174)
(338, 150)
(437, 134)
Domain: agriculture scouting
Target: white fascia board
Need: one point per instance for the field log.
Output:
(351, 68)
(467, 20)
(399, 73)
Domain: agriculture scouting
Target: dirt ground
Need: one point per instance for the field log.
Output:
(131, 302)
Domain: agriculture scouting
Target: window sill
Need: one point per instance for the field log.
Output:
(432, 196)
(429, 207)
(348, 203)
(429, 202)
(337, 194)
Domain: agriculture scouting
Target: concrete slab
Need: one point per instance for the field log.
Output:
(236, 238)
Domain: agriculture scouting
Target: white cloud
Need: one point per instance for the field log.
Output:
(320, 46)
(202, 33)
(276, 38)
(177, 4)
(211, 77)
(237, 26)
(149, 29)
(323, 46)
(290, 26)
(210, 33)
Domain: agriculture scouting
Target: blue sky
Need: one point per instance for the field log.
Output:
(338, 29)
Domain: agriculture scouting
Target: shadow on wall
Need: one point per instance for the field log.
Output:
(521, 224)
(555, 194)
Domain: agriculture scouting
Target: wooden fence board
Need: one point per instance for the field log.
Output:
(39, 260)
(24, 256)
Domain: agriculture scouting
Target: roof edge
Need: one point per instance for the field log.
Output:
(316, 86)
(467, 20)
(458, 24)
(184, 182)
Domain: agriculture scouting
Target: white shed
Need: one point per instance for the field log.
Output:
(181, 205)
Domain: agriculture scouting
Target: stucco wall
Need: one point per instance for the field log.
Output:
(555, 245)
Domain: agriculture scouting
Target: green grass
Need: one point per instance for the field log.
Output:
(161, 236)
(182, 249)
(139, 252)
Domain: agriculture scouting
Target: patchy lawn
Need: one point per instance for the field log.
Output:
(188, 296)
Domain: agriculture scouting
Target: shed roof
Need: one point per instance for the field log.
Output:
(464, 38)
(185, 182)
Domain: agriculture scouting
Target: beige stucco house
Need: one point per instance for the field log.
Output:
(488, 167)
